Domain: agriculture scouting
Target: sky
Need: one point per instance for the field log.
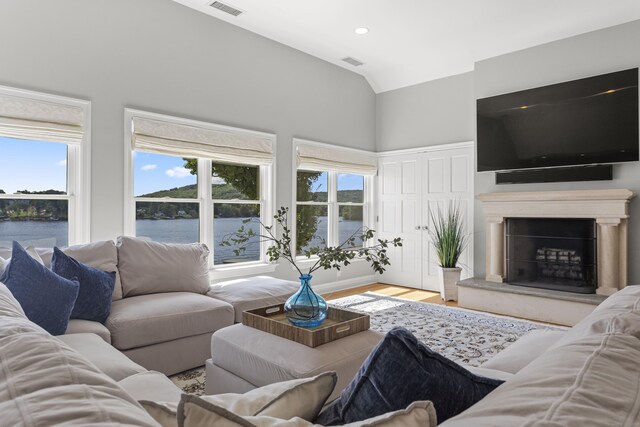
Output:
(154, 172)
(32, 165)
(38, 166)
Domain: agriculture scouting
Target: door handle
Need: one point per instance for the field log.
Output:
(424, 227)
(417, 227)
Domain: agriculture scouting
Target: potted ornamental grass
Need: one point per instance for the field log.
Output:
(449, 239)
(305, 308)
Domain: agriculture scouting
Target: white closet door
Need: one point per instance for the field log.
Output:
(399, 216)
(448, 177)
(410, 185)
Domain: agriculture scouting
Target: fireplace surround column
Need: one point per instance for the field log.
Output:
(608, 256)
(495, 249)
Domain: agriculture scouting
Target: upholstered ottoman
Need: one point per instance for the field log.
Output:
(244, 358)
(253, 292)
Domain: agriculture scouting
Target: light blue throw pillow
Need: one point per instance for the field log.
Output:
(46, 298)
(96, 287)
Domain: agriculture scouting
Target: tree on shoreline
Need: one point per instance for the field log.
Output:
(246, 179)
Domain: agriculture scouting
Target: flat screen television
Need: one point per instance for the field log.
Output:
(580, 122)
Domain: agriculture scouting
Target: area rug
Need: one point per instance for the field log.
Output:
(466, 336)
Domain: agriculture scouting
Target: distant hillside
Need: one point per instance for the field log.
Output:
(220, 191)
(34, 210)
(158, 211)
(224, 210)
(227, 191)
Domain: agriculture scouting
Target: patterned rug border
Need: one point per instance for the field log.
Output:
(468, 310)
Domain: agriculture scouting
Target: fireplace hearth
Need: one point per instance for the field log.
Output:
(552, 253)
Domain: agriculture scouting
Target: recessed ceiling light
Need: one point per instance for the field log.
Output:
(361, 30)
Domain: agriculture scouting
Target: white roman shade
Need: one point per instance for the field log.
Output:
(174, 139)
(28, 118)
(324, 158)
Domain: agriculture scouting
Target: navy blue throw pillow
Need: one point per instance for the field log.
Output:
(46, 298)
(400, 371)
(96, 287)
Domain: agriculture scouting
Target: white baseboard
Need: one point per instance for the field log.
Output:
(341, 285)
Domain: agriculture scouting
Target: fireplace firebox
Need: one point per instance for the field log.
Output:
(552, 253)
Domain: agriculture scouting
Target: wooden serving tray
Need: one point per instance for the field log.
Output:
(339, 323)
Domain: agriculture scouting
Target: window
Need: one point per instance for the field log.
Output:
(312, 210)
(236, 197)
(43, 169)
(193, 190)
(166, 195)
(350, 198)
(332, 194)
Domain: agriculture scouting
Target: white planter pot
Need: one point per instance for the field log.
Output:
(448, 279)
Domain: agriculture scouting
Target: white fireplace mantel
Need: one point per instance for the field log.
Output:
(609, 208)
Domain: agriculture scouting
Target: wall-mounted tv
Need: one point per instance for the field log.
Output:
(587, 121)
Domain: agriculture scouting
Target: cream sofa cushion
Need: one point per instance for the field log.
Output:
(45, 382)
(150, 319)
(105, 357)
(197, 412)
(591, 381)
(148, 267)
(9, 306)
(253, 292)
(81, 326)
(151, 386)
(301, 398)
(627, 299)
(620, 312)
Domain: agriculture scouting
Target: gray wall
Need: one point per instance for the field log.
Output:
(436, 112)
(160, 56)
(443, 111)
(598, 52)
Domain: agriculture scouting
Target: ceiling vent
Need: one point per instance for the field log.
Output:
(225, 8)
(353, 61)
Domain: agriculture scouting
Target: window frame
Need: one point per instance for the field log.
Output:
(333, 206)
(78, 195)
(204, 198)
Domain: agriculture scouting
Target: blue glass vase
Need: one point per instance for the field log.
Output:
(305, 308)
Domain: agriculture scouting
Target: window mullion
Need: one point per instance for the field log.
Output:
(205, 199)
(332, 213)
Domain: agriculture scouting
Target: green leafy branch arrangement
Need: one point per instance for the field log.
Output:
(328, 257)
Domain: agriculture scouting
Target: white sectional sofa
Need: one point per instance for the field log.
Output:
(588, 375)
(164, 309)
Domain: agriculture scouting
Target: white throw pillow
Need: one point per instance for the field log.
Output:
(302, 398)
(4, 263)
(196, 412)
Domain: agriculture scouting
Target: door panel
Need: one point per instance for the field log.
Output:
(410, 186)
(400, 195)
(388, 214)
(436, 175)
(460, 174)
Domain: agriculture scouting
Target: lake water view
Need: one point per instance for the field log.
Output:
(54, 233)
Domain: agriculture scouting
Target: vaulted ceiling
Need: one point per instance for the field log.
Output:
(413, 41)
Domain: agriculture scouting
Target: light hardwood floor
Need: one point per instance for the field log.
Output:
(393, 291)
